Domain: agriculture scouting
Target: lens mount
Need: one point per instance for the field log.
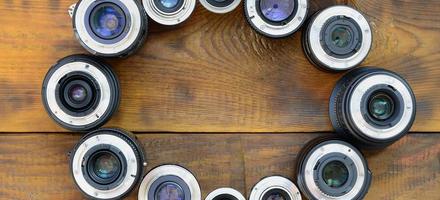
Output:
(350, 107)
(169, 16)
(107, 163)
(179, 178)
(225, 194)
(110, 28)
(220, 6)
(329, 168)
(98, 96)
(275, 28)
(337, 38)
(275, 185)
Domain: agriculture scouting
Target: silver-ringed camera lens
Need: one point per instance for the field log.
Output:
(225, 194)
(80, 92)
(332, 169)
(374, 107)
(169, 12)
(169, 182)
(337, 38)
(107, 164)
(275, 188)
(220, 6)
(111, 28)
(276, 18)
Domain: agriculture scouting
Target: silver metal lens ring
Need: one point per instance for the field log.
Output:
(332, 169)
(80, 92)
(337, 38)
(276, 19)
(225, 194)
(168, 12)
(110, 28)
(107, 164)
(220, 6)
(273, 187)
(183, 183)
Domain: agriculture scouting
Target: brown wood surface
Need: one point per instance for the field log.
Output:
(35, 166)
(214, 73)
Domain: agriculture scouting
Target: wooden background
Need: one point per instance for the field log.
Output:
(259, 97)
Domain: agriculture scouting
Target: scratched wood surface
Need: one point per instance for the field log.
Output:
(214, 73)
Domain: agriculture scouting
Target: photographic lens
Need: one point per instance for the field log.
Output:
(276, 194)
(78, 93)
(275, 188)
(381, 106)
(329, 167)
(169, 191)
(277, 10)
(337, 38)
(169, 12)
(372, 107)
(108, 20)
(220, 6)
(169, 3)
(106, 165)
(225, 194)
(335, 174)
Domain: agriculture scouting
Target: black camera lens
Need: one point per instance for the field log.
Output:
(276, 18)
(169, 12)
(111, 28)
(80, 92)
(225, 194)
(337, 38)
(275, 188)
(220, 6)
(332, 169)
(169, 182)
(107, 163)
(373, 107)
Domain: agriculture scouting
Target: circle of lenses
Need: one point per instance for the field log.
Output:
(108, 21)
(341, 37)
(106, 165)
(78, 93)
(381, 107)
(277, 10)
(276, 196)
(335, 174)
(169, 191)
(169, 3)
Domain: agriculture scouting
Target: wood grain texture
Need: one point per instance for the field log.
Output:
(35, 166)
(214, 73)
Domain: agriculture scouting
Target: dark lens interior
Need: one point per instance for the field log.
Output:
(106, 165)
(169, 3)
(381, 106)
(77, 93)
(277, 10)
(107, 20)
(169, 191)
(341, 36)
(335, 174)
(225, 197)
(276, 194)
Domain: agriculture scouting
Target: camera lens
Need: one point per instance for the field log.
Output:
(111, 28)
(107, 163)
(276, 18)
(337, 38)
(169, 12)
(80, 92)
(225, 194)
(332, 169)
(372, 107)
(169, 182)
(220, 6)
(275, 188)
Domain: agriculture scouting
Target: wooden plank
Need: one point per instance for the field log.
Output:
(214, 73)
(34, 166)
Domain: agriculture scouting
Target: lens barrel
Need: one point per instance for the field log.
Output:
(169, 12)
(220, 6)
(275, 188)
(373, 107)
(225, 194)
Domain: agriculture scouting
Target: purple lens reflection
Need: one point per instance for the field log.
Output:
(277, 10)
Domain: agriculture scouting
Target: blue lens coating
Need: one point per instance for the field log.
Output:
(277, 10)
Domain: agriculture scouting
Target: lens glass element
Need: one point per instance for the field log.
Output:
(107, 20)
(106, 165)
(275, 197)
(381, 106)
(277, 10)
(341, 37)
(169, 191)
(77, 93)
(335, 174)
(169, 3)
